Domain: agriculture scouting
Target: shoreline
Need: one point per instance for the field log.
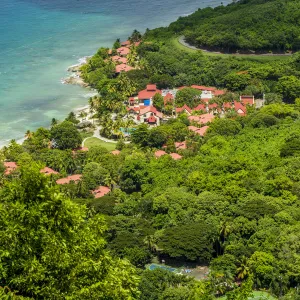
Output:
(74, 79)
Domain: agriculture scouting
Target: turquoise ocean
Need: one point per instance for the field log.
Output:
(40, 39)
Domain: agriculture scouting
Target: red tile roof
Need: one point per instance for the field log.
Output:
(101, 191)
(76, 178)
(175, 156)
(123, 68)
(202, 119)
(159, 153)
(137, 44)
(10, 167)
(201, 131)
(115, 152)
(169, 98)
(180, 145)
(240, 108)
(219, 92)
(151, 109)
(48, 171)
(123, 51)
(183, 108)
(125, 43)
(149, 92)
(203, 88)
(119, 59)
(200, 107)
(247, 100)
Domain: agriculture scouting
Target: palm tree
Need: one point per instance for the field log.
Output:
(150, 241)
(243, 269)
(28, 134)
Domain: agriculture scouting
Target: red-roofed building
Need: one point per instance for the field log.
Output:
(123, 51)
(119, 59)
(168, 99)
(101, 191)
(159, 153)
(10, 167)
(201, 131)
(76, 178)
(247, 100)
(152, 120)
(240, 108)
(115, 152)
(123, 68)
(184, 109)
(136, 44)
(219, 93)
(200, 107)
(48, 171)
(176, 156)
(145, 96)
(203, 88)
(125, 44)
(180, 145)
(202, 119)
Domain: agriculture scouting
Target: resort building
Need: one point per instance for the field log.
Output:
(48, 171)
(145, 96)
(200, 131)
(101, 191)
(202, 119)
(75, 178)
(10, 167)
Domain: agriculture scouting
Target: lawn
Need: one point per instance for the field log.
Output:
(258, 296)
(175, 42)
(93, 141)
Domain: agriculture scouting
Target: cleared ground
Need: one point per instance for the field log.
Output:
(96, 142)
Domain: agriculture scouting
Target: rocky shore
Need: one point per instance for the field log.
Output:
(75, 76)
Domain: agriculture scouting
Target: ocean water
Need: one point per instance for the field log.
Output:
(39, 39)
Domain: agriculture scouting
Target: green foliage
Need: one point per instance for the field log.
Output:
(233, 27)
(38, 223)
(65, 136)
(158, 101)
(188, 96)
(192, 242)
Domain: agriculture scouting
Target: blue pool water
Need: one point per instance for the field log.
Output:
(39, 39)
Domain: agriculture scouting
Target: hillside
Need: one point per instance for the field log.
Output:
(258, 25)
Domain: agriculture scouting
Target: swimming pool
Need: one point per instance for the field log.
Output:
(155, 266)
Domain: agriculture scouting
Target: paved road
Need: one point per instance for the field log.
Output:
(186, 44)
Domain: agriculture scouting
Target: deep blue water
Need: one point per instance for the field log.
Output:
(39, 39)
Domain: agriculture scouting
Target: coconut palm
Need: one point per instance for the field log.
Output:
(28, 134)
(243, 269)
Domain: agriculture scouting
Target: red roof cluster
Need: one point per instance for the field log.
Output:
(247, 100)
(101, 191)
(149, 92)
(48, 171)
(9, 167)
(76, 178)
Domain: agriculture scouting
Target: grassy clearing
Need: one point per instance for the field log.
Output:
(262, 58)
(258, 296)
(96, 142)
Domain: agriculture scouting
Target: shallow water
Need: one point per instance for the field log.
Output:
(39, 39)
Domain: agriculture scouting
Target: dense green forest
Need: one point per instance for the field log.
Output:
(232, 202)
(259, 25)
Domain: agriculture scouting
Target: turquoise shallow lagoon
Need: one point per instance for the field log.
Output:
(39, 39)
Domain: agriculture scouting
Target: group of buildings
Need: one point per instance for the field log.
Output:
(120, 59)
(140, 108)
